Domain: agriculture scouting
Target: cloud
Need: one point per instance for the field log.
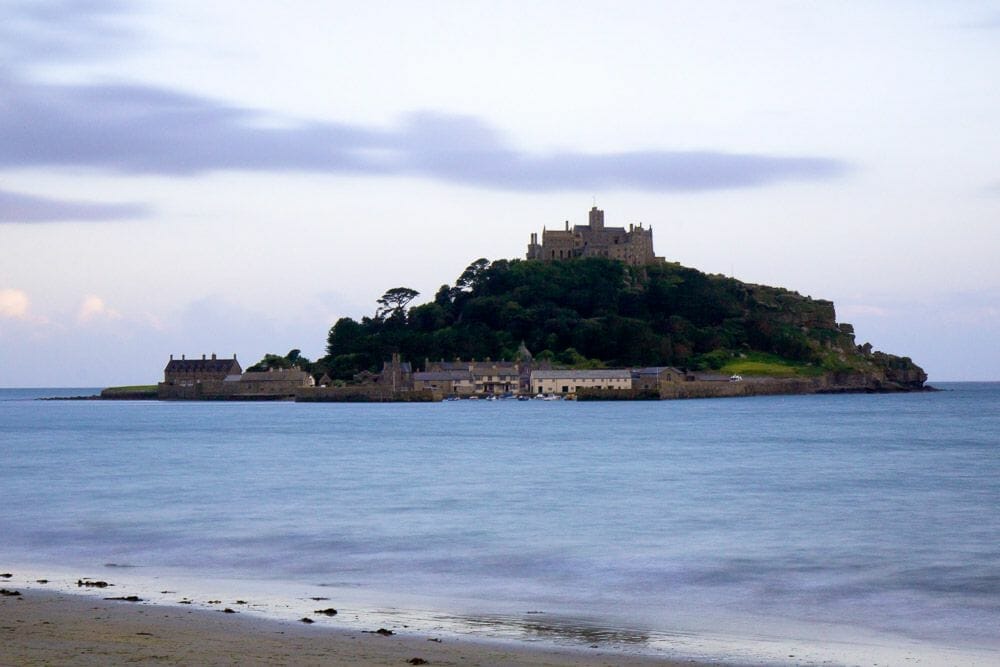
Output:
(463, 149)
(137, 129)
(145, 130)
(93, 309)
(14, 303)
(35, 31)
(22, 208)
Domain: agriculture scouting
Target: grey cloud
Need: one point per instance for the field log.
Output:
(33, 31)
(21, 208)
(141, 129)
(137, 129)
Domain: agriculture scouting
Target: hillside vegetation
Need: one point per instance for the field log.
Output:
(602, 313)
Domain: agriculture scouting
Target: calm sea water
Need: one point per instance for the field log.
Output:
(735, 528)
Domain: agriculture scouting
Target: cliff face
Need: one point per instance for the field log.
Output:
(793, 308)
(851, 367)
(899, 372)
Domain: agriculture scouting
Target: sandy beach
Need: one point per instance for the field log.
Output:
(39, 627)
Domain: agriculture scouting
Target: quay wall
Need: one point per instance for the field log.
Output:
(365, 394)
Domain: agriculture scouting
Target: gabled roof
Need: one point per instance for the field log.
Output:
(226, 366)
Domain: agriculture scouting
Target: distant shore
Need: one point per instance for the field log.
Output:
(52, 628)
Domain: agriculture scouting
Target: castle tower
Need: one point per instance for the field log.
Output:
(534, 248)
(596, 220)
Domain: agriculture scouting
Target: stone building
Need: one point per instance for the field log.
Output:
(273, 382)
(448, 383)
(186, 372)
(651, 378)
(566, 382)
(632, 246)
(396, 375)
(470, 377)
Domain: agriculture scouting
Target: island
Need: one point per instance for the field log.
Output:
(590, 313)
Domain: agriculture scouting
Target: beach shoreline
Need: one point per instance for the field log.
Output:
(61, 628)
(91, 621)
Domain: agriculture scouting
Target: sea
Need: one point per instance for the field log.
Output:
(839, 529)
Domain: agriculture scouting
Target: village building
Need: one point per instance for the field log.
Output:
(273, 382)
(501, 377)
(448, 383)
(186, 372)
(461, 378)
(632, 246)
(566, 382)
(396, 375)
(651, 378)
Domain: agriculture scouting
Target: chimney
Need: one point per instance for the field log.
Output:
(171, 357)
(183, 357)
(203, 357)
(213, 356)
(567, 225)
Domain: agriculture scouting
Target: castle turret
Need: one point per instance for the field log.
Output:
(534, 248)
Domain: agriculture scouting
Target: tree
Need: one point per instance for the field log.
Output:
(472, 274)
(346, 337)
(293, 359)
(394, 301)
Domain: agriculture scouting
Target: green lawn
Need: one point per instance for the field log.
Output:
(143, 388)
(770, 366)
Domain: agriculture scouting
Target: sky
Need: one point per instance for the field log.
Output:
(181, 177)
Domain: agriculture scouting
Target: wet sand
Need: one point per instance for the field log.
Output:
(40, 627)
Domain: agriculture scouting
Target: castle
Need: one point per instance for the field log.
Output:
(632, 246)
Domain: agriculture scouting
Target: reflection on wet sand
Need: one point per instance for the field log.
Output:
(539, 626)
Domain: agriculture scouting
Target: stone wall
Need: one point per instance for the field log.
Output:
(224, 391)
(364, 394)
(832, 383)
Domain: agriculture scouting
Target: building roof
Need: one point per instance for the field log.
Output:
(488, 369)
(226, 366)
(448, 365)
(443, 376)
(606, 374)
(606, 230)
(277, 375)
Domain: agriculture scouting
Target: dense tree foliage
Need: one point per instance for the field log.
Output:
(586, 312)
(293, 359)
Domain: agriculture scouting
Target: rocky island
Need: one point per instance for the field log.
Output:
(591, 312)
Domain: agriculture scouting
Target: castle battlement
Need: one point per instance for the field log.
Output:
(632, 246)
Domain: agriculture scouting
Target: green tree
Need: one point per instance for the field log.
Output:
(393, 303)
